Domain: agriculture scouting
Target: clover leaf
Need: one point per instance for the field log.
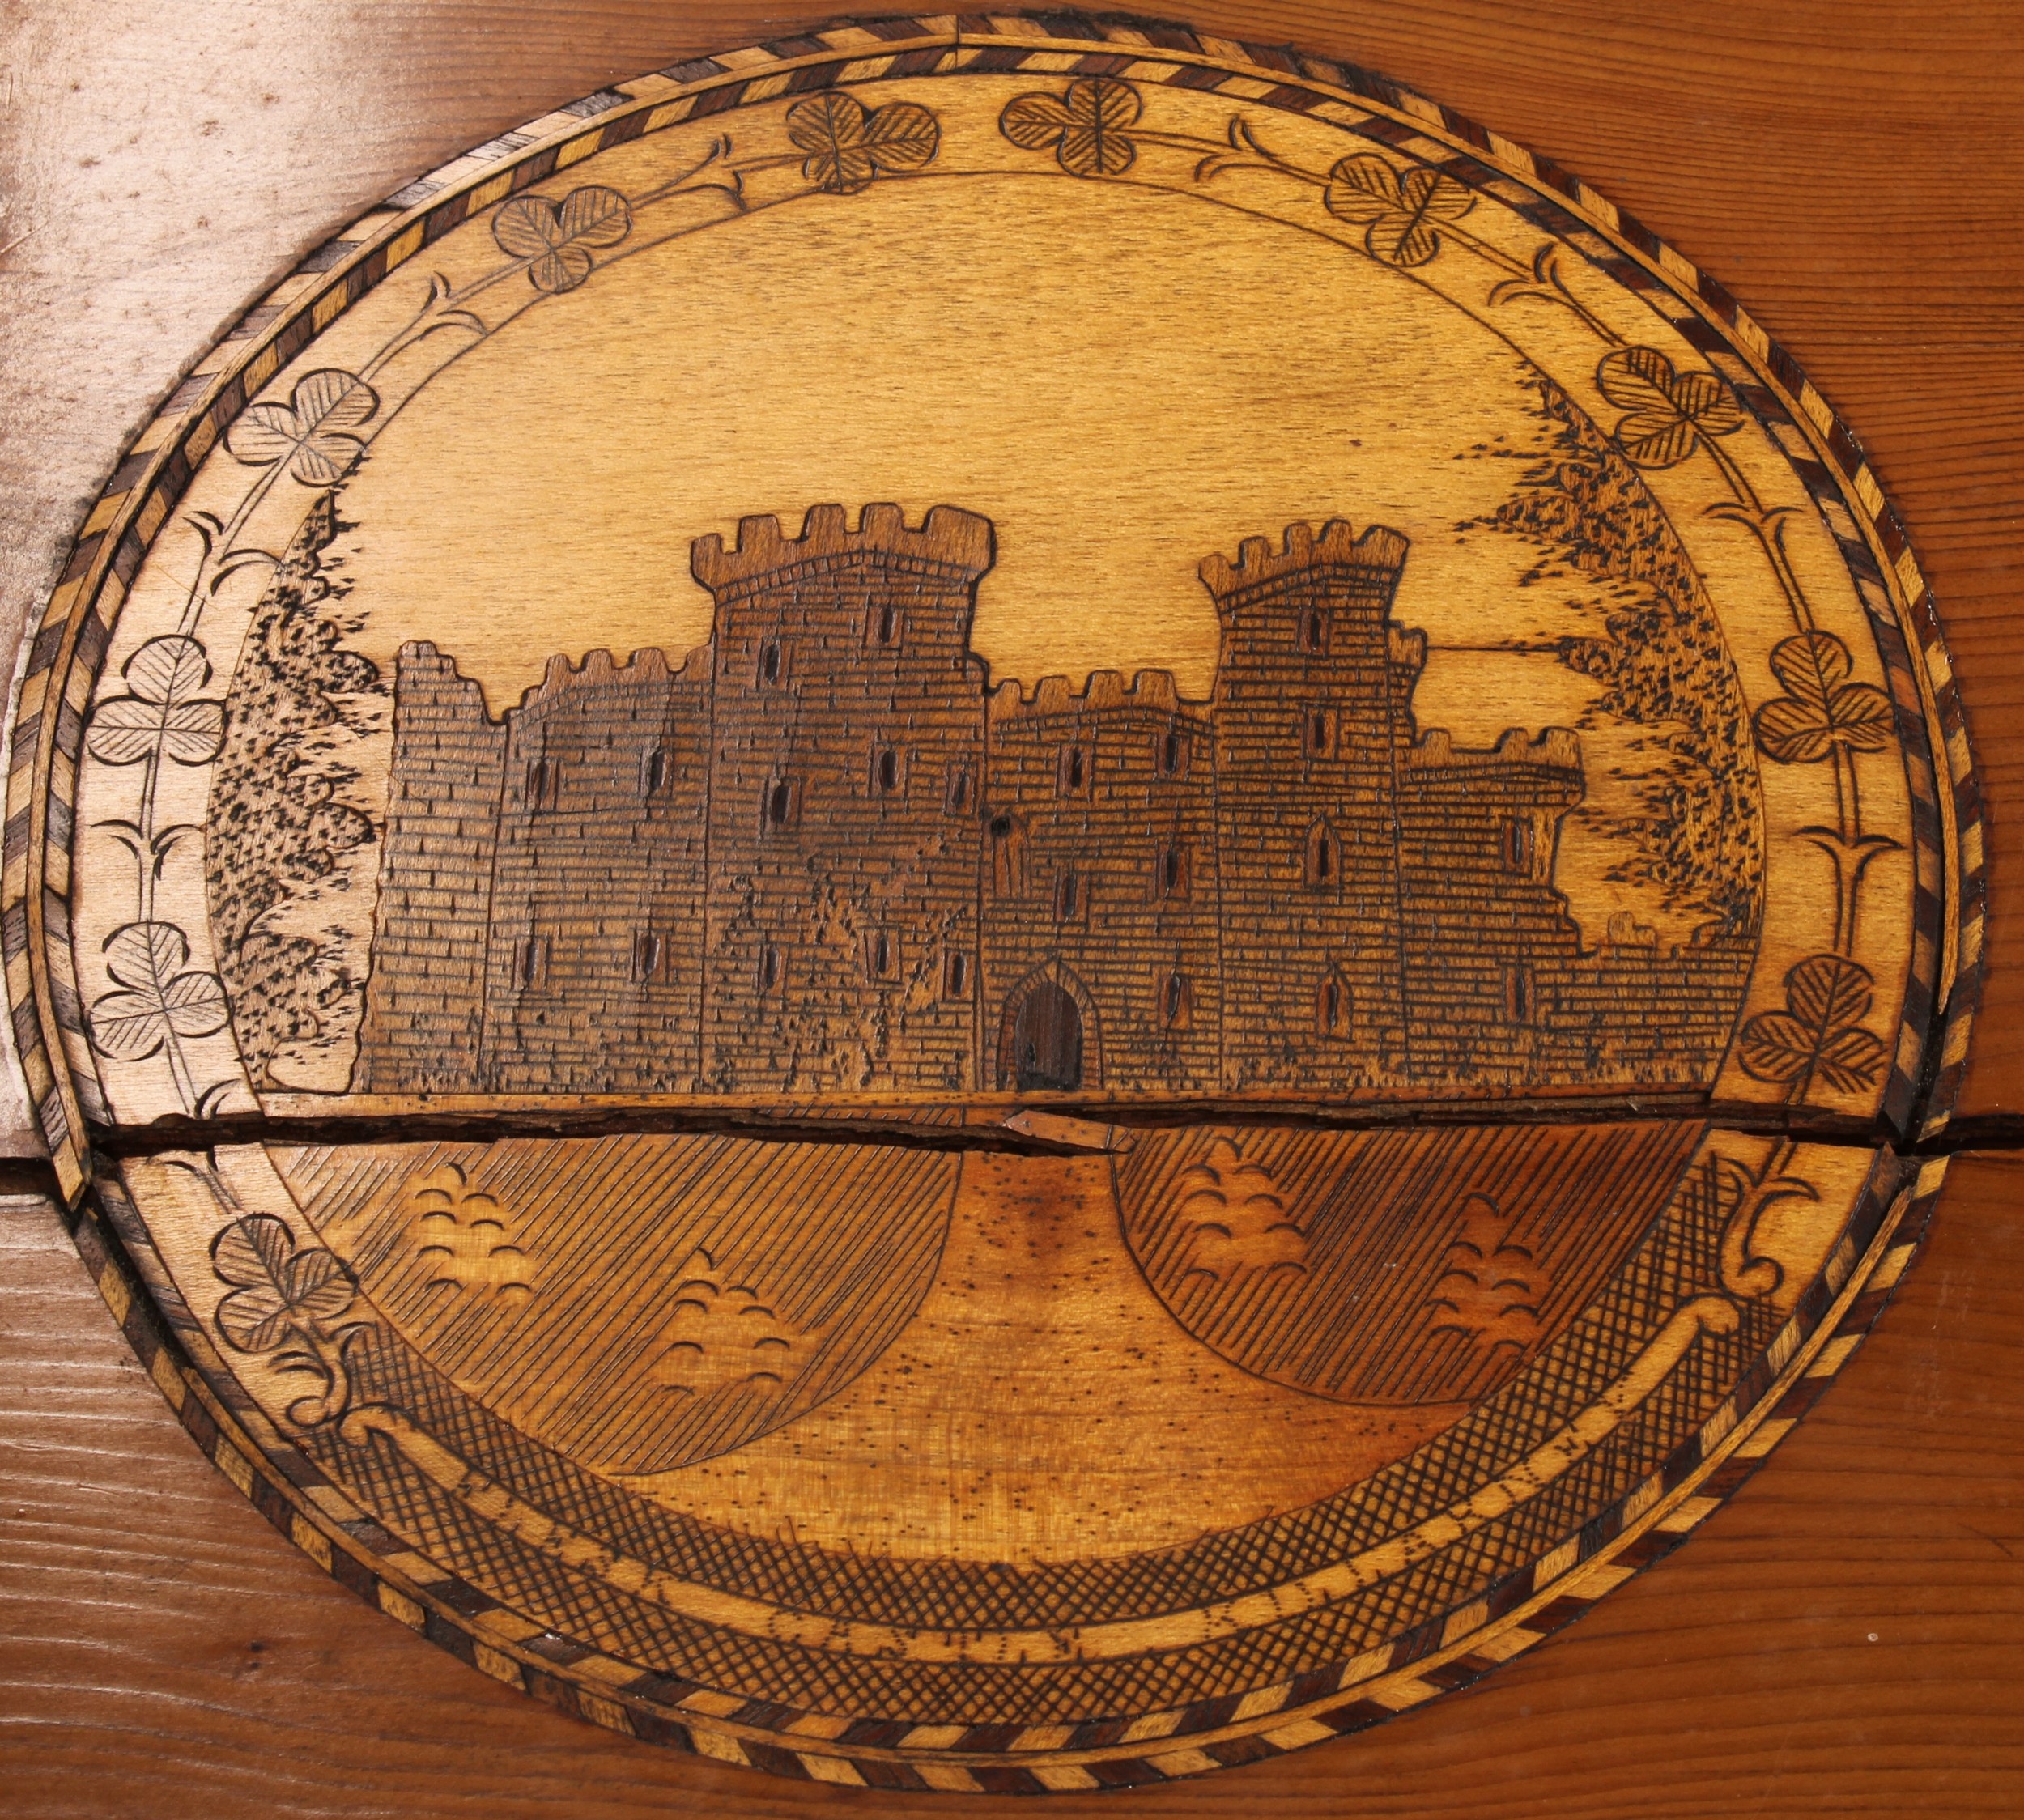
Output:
(278, 1288)
(1400, 215)
(1668, 412)
(848, 145)
(1823, 706)
(1819, 1034)
(161, 999)
(163, 713)
(312, 433)
(1087, 128)
(553, 238)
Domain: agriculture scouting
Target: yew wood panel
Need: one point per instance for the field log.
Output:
(1841, 1638)
(1850, 172)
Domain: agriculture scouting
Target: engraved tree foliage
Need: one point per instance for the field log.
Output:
(1490, 1285)
(1694, 833)
(286, 814)
(1404, 215)
(722, 1335)
(1818, 1040)
(1235, 1226)
(464, 1237)
(314, 437)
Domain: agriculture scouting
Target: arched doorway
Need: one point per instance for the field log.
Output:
(1047, 1040)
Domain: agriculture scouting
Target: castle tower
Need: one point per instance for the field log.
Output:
(846, 775)
(425, 1001)
(594, 980)
(1313, 718)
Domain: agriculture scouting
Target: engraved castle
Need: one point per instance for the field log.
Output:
(822, 854)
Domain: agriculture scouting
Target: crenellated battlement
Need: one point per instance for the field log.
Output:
(1379, 550)
(948, 538)
(421, 672)
(607, 888)
(600, 671)
(1153, 691)
(1555, 747)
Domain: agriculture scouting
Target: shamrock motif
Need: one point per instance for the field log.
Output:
(279, 1289)
(1821, 708)
(1819, 1034)
(1669, 412)
(312, 433)
(555, 238)
(1086, 129)
(848, 144)
(1401, 216)
(163, 714)
(288, 1302)
(161, 1002)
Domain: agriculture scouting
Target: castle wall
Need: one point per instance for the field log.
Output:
(425, 1001)
(816, 857)
(1487, 940)
(1310, 723)
(594, 972)
(1633, 1012)
(846, 772)
(1108, 872)
(1499, 990)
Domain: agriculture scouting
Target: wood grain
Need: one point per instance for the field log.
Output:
(1793, 154)
(167, 1652)
(884, 1440)
(1795, 231)
(1372, 814)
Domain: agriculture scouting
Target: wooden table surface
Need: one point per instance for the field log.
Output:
(1841, 1638)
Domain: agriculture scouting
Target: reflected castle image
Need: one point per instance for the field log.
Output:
(822, 854)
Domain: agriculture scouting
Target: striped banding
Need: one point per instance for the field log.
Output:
(64, 657)
(1642, 1526)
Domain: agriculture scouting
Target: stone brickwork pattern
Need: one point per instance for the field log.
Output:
(823, 854)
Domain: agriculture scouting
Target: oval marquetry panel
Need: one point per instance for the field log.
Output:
(991, 907)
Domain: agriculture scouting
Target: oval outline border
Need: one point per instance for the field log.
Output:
(62, 659)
